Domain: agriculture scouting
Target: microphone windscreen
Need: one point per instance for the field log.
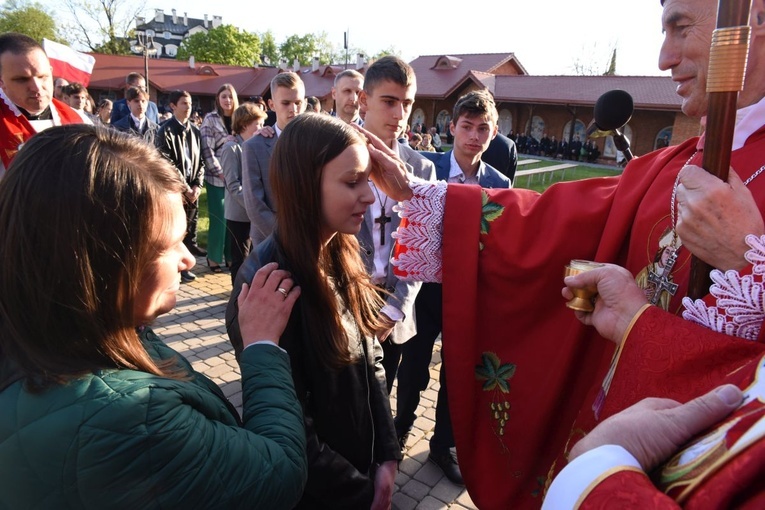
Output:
(613, 110)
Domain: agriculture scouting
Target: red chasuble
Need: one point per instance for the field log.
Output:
(15, 130)
(521, 369)
(722, 468)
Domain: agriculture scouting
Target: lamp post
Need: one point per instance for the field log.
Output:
(146, 47)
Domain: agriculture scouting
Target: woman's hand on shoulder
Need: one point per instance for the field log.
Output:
(265, 304)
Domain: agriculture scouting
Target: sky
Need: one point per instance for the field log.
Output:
(548, 37)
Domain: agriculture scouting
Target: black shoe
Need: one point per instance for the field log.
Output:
(215, 268)
(197, 251)
(188, 276)
(448, 464)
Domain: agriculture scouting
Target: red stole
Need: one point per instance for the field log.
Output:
(521, 368)
(15, 130)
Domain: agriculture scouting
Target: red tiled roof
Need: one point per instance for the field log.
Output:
(439, 75)
(205, 79)
(648, 92)
(166, 75)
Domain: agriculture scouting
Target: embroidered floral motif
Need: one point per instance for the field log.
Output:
(421, 233)
(490, 211)
(496, 377)
(740, 308)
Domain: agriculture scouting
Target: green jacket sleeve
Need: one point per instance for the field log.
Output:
(173, 444)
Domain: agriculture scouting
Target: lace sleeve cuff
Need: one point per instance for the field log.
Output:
(417, 256)
(739, 308)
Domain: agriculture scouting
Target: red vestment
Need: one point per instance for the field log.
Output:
(15, 129)
(727, 473)
(521, 368)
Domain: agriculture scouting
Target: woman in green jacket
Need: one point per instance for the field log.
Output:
(97, 412)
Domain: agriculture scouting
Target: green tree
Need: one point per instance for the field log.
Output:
(269, 51)
(300, 47)
(30, 19)
(305, 47)
(390, 50)
(224, 44)
(104, 26)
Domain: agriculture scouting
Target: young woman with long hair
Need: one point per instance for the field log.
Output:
(319, 173)
(216, 131)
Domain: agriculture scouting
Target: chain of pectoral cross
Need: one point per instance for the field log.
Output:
(662, 282)
(382, 219)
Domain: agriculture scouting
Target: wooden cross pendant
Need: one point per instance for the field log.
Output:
(382, 220)
(662, 282)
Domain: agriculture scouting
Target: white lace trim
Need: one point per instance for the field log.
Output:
(740, 308)
(9, 103)
(421, 237)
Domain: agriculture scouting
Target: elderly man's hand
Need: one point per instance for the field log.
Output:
(619, 299)
(714, 217)
(655, 428)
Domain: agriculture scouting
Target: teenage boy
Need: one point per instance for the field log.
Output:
(287, 101)
(474, 125)
(387, 98)
(180, 142)
(137, 123)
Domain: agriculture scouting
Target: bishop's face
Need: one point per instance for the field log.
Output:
(688, 27)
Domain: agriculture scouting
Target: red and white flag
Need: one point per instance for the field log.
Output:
(68, 63)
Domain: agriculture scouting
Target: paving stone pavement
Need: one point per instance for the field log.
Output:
(196, 329)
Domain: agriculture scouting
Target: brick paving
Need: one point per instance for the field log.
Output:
(196, 329)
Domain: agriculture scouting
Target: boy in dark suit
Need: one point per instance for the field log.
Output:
(474, 125)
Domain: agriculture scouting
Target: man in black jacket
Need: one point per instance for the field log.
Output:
(180, 142)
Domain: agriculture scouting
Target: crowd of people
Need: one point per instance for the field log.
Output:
(549, 146)
(350, 252)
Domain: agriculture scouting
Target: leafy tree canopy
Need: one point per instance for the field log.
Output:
(224, 44)
(30, 19)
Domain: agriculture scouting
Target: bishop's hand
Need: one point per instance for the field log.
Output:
(714, 217)
(388, 171)
(619, 299)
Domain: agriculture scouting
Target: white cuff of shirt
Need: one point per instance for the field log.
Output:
(394, 313)
(264, 342)
(582, 472)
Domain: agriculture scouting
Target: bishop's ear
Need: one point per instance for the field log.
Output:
(758, 18)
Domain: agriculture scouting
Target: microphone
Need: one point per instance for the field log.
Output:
(612, 111)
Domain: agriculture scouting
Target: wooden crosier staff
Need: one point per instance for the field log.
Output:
(725, 79)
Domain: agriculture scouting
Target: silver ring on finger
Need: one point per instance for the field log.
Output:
(283, 291)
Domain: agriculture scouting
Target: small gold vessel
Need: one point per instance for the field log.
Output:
(582, 300)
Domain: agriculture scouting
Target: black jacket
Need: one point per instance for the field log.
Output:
(349, 426)
(169, 141)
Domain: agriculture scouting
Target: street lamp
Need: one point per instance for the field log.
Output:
(146, 47)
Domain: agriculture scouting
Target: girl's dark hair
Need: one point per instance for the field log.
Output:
(306, 145)
(81, 211)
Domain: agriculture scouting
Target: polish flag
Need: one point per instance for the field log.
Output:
(68, 63)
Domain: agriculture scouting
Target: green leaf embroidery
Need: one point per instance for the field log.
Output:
(493, 373)
(490, 211)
